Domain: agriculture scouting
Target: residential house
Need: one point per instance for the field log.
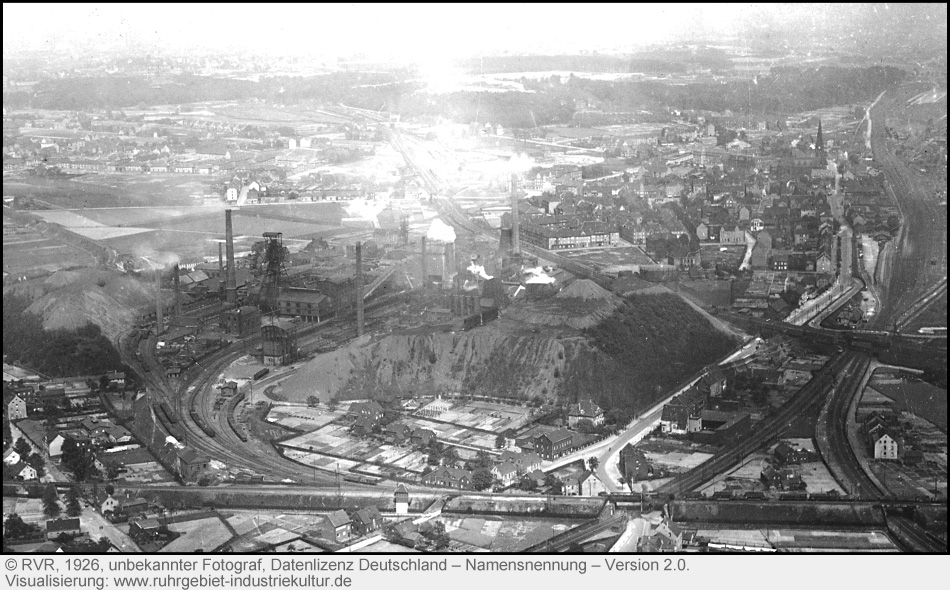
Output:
(634, 465)
(108, 504)
(367, 520)
(421, 437)
(551, 445)
(786, 454)
(371, 409)
(337, 526)
(62, 526)
(449, 477)
(884, 444)
(578, 484)
(16, 408)
(363, 427)
(190, 464)
(506, 473)
(677, 412)
(782, 479)
(585, 410)
(525, 462)
(24, 472)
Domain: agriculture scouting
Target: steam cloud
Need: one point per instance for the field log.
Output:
(441, 232)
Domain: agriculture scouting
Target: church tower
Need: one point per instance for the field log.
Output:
(820, 140)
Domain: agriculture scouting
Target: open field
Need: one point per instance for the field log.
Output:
(917, 397)
(334, 441)
(25, 250)
(801, 541)
(611, 259)
(300, 418)
(498, 534)
(108, 190)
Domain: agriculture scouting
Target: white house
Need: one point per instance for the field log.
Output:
(16, 409)
(885, 446)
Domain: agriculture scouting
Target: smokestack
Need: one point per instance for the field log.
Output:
(231, 285)
(159, 308)
(448, 258)
(515, 232)
(220, 260)
(425, 269)
(359, 289)
(177, 291)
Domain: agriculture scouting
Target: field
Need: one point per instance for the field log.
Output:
(25, 250)
(801, 541)
(728, 256)
(935, 315)
(917, 397)
(498, 534)
(612, 259)
(709, 291)
(108, 190)
(334, 440)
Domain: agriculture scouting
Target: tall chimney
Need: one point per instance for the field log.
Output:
(159, 307)
(515, 232)
(359, 289)
(447, 257)
(425, 269)
(220, 260)
(231, 285)
(177, 291)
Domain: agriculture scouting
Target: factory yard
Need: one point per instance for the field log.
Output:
(612, 260)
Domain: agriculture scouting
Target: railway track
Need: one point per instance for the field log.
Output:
(770, 429)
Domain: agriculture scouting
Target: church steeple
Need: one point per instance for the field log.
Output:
(820, 140)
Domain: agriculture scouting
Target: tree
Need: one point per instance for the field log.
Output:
(593, 462)
(450, 457)
(554, 485)
(38, 463)
(51, 507)
(73, 506)
(528, 484)
(313, 401)
(500, 441)
(22, 448)
(14, 528)
(482, 479)
(585, 426)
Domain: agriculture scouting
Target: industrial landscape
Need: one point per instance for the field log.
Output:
(687, 298)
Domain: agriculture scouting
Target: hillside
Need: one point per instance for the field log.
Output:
(638, 348)
(71, 299)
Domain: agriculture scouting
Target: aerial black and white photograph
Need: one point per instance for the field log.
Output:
(474, 279)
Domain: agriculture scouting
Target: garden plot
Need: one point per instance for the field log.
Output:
(300, 418)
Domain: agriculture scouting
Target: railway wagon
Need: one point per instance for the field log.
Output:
(204, 426)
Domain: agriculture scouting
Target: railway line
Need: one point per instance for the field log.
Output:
(768, 430)
(832, 436)
(922, 246)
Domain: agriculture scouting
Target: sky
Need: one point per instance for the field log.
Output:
(402, 31)
(410, 32)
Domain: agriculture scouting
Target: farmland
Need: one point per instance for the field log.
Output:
(27, 250)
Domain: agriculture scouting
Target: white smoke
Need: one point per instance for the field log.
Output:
(440, 232)
(538, 276)
(171, 440)
(478, 269)
(155, 259)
